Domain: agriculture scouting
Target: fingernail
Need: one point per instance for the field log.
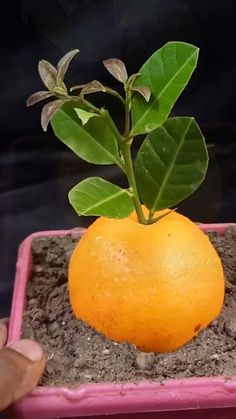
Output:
(29, 348)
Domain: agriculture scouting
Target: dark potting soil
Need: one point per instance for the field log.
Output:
(78, 354)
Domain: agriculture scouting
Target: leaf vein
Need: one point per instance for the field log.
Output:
(109, 198)
(169, 170)
(140, 121)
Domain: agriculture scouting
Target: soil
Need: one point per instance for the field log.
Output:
(78, 354)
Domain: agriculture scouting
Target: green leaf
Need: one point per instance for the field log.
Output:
(84, 116)
(96, 196)
(171, 163)
(166, 73)
(94, 142)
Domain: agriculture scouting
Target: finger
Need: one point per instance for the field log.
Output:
(3, 332)
(21, 366)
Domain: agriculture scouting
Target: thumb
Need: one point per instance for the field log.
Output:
(21, 366)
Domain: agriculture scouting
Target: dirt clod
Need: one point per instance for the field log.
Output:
(144, 361)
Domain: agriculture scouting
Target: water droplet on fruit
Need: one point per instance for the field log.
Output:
(98, 238)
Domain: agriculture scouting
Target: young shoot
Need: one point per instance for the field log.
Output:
(172, 160)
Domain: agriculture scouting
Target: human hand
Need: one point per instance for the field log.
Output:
(21, 366)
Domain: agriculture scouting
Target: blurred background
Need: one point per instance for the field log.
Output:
(37, 171)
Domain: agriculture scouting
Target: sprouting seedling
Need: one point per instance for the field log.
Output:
(172, 160)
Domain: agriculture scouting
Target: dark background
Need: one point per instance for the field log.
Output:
(37, 171)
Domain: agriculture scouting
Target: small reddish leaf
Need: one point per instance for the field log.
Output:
(117, 69)
(48, 74)
(37, 97)
(49, 110)
(144, 91)
(63, 64)
(93, 87)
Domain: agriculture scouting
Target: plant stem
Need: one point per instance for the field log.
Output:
(115, 93)
(81, 100)
(116, 133)
(150, 215)
(126, 152)
(106, 90)
(125, 147)
(90, 105)
(125, 141)
(127, 115)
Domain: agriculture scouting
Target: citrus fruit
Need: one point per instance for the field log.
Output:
(155, 286)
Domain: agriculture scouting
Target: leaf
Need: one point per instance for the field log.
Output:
(63, 64)
(93, 87)
(95, 142)
(84, 116)
(166, 73)
(48, 111)
(48, 74)
(37, 97)
(171, 163)
(96, 196)
(143, 91)
(117, 69)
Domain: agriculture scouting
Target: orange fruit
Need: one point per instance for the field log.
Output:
(155, 286)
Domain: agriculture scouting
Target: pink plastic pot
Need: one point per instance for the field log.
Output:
(175, 399)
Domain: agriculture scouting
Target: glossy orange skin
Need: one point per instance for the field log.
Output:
(154, 286)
